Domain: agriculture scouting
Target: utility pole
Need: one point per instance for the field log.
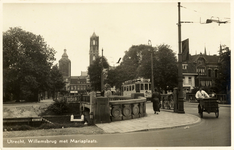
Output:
(152, 68)
(180, 76)
(102, 80)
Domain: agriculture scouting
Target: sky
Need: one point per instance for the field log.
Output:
(119, 25)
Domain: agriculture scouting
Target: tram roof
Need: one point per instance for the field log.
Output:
(141, 80)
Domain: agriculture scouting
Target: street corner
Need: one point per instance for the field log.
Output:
(171, 120)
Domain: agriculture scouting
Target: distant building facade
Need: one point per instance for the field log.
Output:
(78, 84)
(200, 71)
(74, 84)
(65, 65)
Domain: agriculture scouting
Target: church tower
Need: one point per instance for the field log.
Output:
(65, 66)
(94, 48)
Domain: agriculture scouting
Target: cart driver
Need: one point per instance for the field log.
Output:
(200, 95)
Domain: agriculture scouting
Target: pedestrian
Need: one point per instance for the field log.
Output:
(108, 92)
(156, 98)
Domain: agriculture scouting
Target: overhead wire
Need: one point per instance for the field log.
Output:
(212, 16)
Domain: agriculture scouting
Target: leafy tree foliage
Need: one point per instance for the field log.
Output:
(128, 68)
(26, 64)
(95, 70)
(166, 71)
(224, 72)
(56, 80)
(137, 63)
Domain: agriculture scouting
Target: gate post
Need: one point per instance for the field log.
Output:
(102, 111)
(92, 103)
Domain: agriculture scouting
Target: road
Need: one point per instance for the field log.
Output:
(209, 132)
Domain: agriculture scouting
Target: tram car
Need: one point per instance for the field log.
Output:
(137, 86)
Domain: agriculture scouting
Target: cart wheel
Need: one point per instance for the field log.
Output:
(217, 114)
(201, 113)
(199, 109)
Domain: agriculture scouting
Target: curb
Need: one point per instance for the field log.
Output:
(196, 120)
(177, 126)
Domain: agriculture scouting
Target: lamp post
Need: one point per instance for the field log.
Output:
(180, 77)
(152, 68)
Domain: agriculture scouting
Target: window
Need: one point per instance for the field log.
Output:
(190, 80)
(133, 87)
(93, 42)
(93, 57)
(142, 86)
(201, 71)
(216, 73)
(185, 66)
(130, 88)
(146, 86)
(149, 86)
(209, 73)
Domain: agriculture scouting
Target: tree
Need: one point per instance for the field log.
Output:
(56, 80)
(128, 69)
(95, 70)
(222, 83)
(116, 77)
(166, 71)
(137, 64)
(164, 66)
(27, 61)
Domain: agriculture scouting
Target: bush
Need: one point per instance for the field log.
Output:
(18, 127)
(50, 126)
(56, 125)
(59, 107)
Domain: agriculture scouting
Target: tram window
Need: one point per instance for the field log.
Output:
(137, 87)
(132, 87)
(142, 86)
(125, 88)
(149, 86)
(146, 86)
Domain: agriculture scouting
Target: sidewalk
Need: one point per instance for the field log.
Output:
(165, 119)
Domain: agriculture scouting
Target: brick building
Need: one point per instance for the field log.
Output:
(200, 70)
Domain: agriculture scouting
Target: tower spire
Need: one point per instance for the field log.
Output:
(205, 51)
(220, 48)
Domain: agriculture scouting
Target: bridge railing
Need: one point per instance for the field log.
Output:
(128, 108)
(76, 98)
